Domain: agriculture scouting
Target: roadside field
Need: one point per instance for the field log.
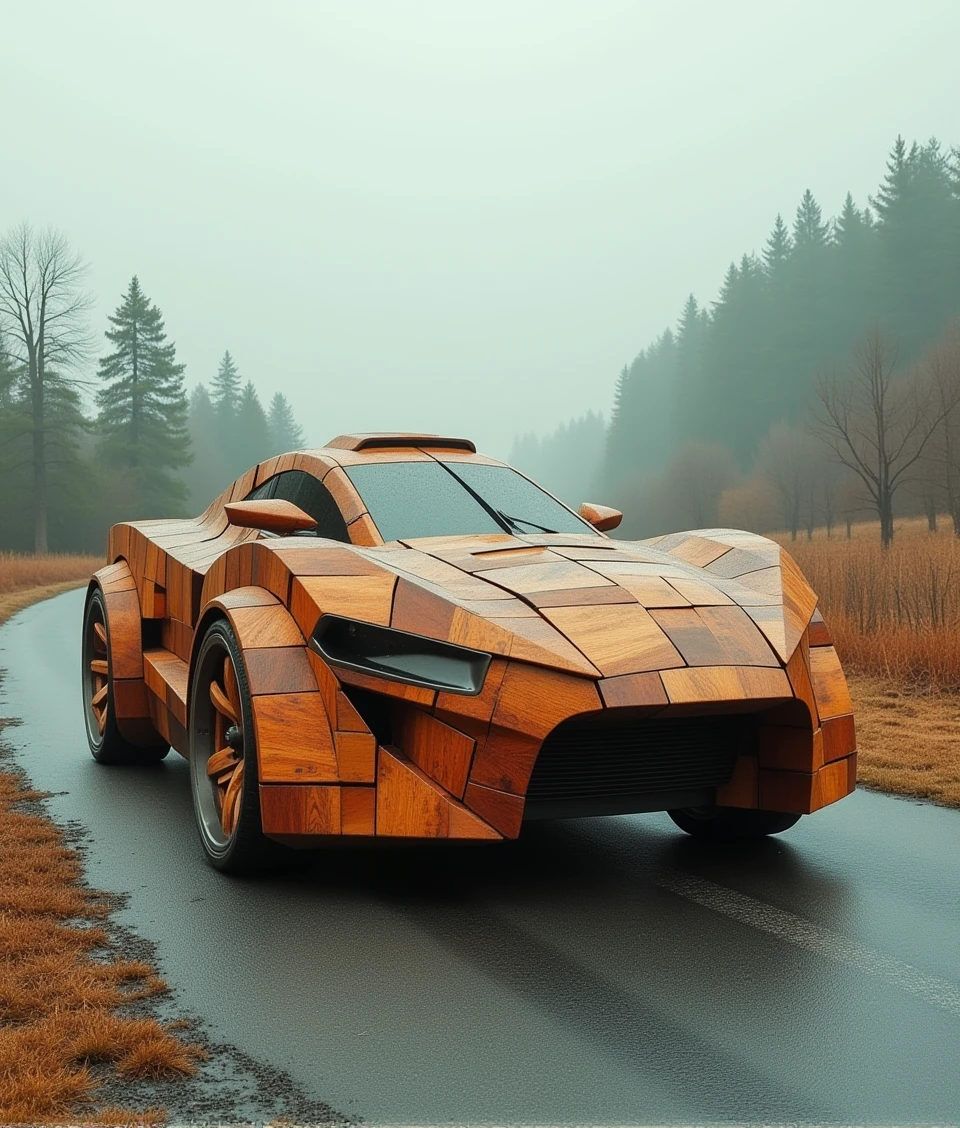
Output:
(28, 579)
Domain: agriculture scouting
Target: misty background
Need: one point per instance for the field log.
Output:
(472, 218)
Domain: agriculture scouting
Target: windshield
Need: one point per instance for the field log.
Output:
(437, 499)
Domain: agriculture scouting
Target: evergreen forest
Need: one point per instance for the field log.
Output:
(706, 417)
(98, 428)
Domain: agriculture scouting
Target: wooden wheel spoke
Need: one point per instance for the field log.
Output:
(101, 718)
(98, 697)
(222, 704)
(221, 761)
(100, 636)
(230, 685)
(231, 800)
(99, 666)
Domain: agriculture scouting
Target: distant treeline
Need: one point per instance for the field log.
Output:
(719, 391)
(73, 463)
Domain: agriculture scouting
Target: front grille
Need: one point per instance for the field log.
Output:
(607, 764)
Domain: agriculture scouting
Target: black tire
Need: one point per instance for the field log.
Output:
(729, 823)
(243, 848)
(107, 743)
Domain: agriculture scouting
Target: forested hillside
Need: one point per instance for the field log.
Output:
(714, 402)
(96, 426)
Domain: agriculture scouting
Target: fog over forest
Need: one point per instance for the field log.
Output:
(550, 226)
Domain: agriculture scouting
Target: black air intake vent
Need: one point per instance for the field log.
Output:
(606, 764)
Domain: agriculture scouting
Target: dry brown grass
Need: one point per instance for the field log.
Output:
(894, 614)
(28, 579)
(62, 991)
(907, 743)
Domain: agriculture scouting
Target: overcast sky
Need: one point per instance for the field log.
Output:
(460, 217)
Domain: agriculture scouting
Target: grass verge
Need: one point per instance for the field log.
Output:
(908, 742)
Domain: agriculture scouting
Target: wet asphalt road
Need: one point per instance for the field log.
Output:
(602, 971)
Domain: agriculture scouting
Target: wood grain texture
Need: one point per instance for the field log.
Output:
(279, 669)
(415, 693)
(421, 611)
(698, 551)
(798, 671)
(123, 629)
(473, 713)
(274, 514)
(650, 591)
(348, 719)
(294, 739)
(270, 626)
(633, 690)
(602, 517)
(803, 793)
(363, 531)
(409, 805)
(358, 811)
(789, 748)
(724, 683)
(839, 737)
(581, 597)
(743, 788)
(534, 701)
(829, 684)
(715, 636)
(369, 598)
(502, 811)
(299, 809)
(438, 750)
(562, 574)
(167, 676)
(616, 639)
(698, 592)
(356, 756)
(818, 631)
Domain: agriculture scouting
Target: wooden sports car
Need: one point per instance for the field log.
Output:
(396, 637)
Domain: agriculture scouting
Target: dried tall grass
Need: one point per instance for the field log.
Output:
(61, 986)
(18, 572)
(893, 614)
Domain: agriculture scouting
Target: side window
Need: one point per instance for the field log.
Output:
(312, 496)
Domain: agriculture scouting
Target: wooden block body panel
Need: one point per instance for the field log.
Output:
(439, 751)
(829, 684)
(299, 809)
(294, 739)
(409, 805)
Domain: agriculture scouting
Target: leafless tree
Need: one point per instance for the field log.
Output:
(43, 311)
(943, 366)
(787, 459)
(877, 424)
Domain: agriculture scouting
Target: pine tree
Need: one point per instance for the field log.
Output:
(142, 417)
(225, 390)
(285, 433)
(776, 253)
(810, 233)
(251, 440)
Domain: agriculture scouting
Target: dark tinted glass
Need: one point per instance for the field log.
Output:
(419, 499)
(526, 508)
(311, 496)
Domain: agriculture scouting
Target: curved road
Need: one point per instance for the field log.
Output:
(602, 971)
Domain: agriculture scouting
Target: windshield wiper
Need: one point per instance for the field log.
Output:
(517, 521)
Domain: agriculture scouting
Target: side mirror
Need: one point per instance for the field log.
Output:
(600, 516)
(273, 516)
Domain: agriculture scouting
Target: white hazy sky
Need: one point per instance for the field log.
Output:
(461, 217)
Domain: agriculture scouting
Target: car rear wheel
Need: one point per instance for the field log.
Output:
(728, 823)
(107, 743)
(223, 758)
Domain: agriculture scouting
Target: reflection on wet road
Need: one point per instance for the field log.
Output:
(604, 971)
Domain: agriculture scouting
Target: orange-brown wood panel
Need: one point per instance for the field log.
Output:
(787, 791)
(617, 639)
(698, 592)
(534, 701)
(540, 642)
(167, 676)
(369, 598)
(789, 748)
(819, 633)
(505, 760)
(123, 631)
(415, 693)
(798, 672)
(356, 756)
(420, 611)
(502, 811)
(279, 669)
(363, 531)
(472, 714)
(348, 719)
(724, 683)
(478, 633)
(358, 810)
(294, 740)
(408, 804)
(302, 561)
(327, 682)
(276, 514)
(299, 809)
(246, 597)
(441, 752)
(836, 780)
(829, 684)
(270, 626)
(130, 701)
(650, 591)
(839, 737)
(632, 690)
(345, 495)
(561, 575)
(581, 597)
(699, 551)
(743, 788)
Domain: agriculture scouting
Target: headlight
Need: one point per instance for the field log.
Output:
(399, 656)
